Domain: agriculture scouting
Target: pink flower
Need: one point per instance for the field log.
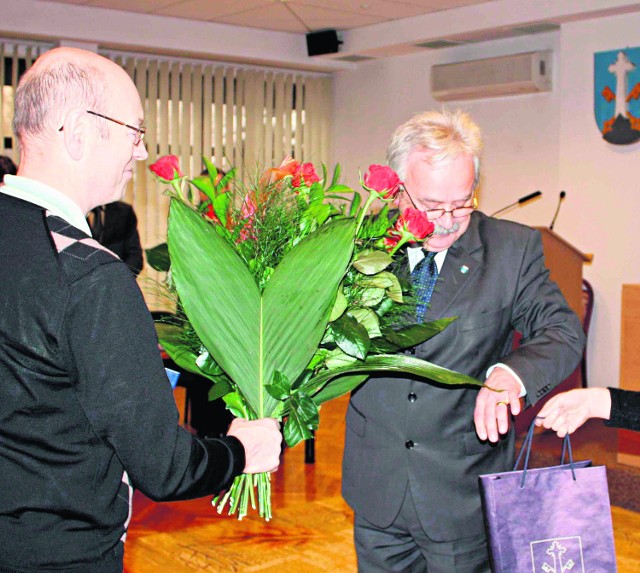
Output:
(383, 180)
(305, 173)
(167, 168)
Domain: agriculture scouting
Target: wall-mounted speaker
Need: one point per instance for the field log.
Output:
(324, 42)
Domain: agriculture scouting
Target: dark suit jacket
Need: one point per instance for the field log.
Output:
(506, 288)
(119, 234)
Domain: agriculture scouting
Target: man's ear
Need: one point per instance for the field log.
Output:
(76, 133)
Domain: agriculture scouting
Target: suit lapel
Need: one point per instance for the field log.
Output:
(463, 261)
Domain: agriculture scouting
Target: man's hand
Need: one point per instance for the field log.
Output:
(262, 443)
(491, 415)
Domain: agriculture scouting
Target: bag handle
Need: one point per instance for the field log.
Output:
(526, 450)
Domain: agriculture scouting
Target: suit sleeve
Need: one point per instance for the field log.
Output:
(127, 398)
(552, 335)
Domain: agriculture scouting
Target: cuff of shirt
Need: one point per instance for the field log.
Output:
(523, 390)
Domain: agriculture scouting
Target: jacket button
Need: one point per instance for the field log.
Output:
(412, 397)
(409, 444)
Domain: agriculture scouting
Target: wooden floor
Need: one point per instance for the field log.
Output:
(311, 530)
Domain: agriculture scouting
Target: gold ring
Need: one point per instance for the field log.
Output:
(506, 403)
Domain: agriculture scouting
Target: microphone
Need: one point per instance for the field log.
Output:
(520, 201)
(553, 221)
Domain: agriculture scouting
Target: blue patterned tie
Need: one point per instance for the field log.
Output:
(423, 277)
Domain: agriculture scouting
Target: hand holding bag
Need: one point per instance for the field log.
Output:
(549, 520)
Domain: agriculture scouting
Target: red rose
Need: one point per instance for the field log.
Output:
(167, 168)
(382, 179)
(414, 222)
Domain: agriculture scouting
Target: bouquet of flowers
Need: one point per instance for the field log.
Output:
(286, 295)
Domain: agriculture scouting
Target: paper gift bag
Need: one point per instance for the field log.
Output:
(549, 520)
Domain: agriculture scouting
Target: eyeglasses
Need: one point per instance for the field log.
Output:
(433, 214)
(138, 131)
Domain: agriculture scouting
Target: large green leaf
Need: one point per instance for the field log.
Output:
(158, 257)
(251, 336)
(387, 363)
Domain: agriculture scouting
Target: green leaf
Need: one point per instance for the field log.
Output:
(371, 296)
(399, 363)
(339, 387)
(415, 334)
(337, 359)
(340, 189)
(372, 262)
(381, 280)
(221, 205)
(351, 337)
(219, 389)
(339, 306)
(355, 204)
(208, 365)
(211, 168)
(336, 176)
(204, 184)
(281, 387)
(236, 405)
(252, 335)
(171, 339)
(369, 319)
(158, 257)
(303, 419)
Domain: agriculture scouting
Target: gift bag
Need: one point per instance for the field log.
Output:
(549, 520)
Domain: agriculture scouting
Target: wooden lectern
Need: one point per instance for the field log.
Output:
(565, 264)
(628, 441)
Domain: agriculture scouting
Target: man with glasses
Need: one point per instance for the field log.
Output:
(86, 410)
(414, 450)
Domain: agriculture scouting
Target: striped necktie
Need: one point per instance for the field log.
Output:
(423, 277)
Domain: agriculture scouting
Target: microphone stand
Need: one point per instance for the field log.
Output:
(520, 201)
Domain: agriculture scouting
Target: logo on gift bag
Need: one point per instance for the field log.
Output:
(561, 555)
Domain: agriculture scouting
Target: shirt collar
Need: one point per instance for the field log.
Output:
(54, 201)
(416, 254)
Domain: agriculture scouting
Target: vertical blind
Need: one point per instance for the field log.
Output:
(15, 58)
(236, 116)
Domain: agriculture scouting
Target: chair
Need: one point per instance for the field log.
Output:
(587, 312)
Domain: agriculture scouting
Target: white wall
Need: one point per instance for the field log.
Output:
(543, 141)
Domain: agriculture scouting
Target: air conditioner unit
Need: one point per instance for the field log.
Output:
(492, 77)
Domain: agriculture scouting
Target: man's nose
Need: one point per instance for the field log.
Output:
(140, 151)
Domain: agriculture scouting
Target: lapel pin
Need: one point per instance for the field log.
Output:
(464, 269)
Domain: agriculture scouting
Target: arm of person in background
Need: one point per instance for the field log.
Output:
(551, 346)
(566, 412)
(132, 249)
(123, 389)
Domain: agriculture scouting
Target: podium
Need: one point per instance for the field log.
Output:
(565, 263)
(628, 441)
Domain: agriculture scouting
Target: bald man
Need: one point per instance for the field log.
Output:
(86, 410)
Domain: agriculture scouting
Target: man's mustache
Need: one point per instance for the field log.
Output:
(440, 230)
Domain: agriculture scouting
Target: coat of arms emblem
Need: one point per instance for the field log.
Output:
(617, 89)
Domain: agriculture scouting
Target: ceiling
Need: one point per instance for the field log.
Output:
(297, 16)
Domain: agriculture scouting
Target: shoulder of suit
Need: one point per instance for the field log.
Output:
(501, 226)
(78, 253)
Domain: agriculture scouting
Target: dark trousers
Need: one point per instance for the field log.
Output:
(404, 547)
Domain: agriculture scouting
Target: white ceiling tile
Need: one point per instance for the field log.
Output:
(144, 6)
(212, 10)
(271, 17)
(385, 8)
(69, 1)
(436, 5)
(318, 18)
